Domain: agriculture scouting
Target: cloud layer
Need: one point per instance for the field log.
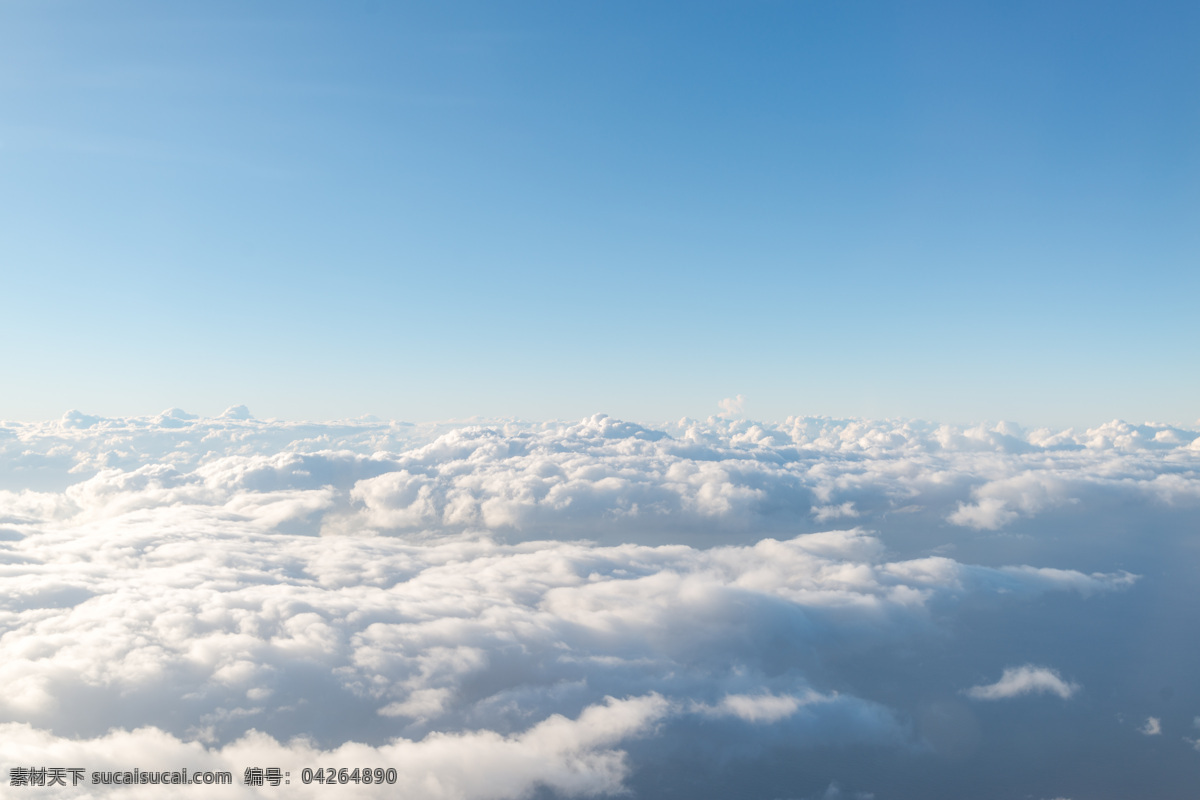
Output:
(514, 608)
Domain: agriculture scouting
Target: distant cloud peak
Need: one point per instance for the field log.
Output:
(236, 412)
(733, 406)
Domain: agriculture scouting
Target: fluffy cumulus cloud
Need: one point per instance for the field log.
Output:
(1025, 680)
(571, 756)
(506, 609)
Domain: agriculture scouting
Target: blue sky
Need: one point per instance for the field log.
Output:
(940, 210)
(957, 212)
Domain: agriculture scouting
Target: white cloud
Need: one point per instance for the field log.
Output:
(454, 586)
(572, 756)
(730, 474)
(1028, 679)
(823, 513)
(733, 406)
(1152, 727)
(760, 707)
(999, 502)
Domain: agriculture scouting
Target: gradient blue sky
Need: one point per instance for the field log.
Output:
(430, 210)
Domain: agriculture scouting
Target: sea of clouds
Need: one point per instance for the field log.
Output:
(813, 608)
